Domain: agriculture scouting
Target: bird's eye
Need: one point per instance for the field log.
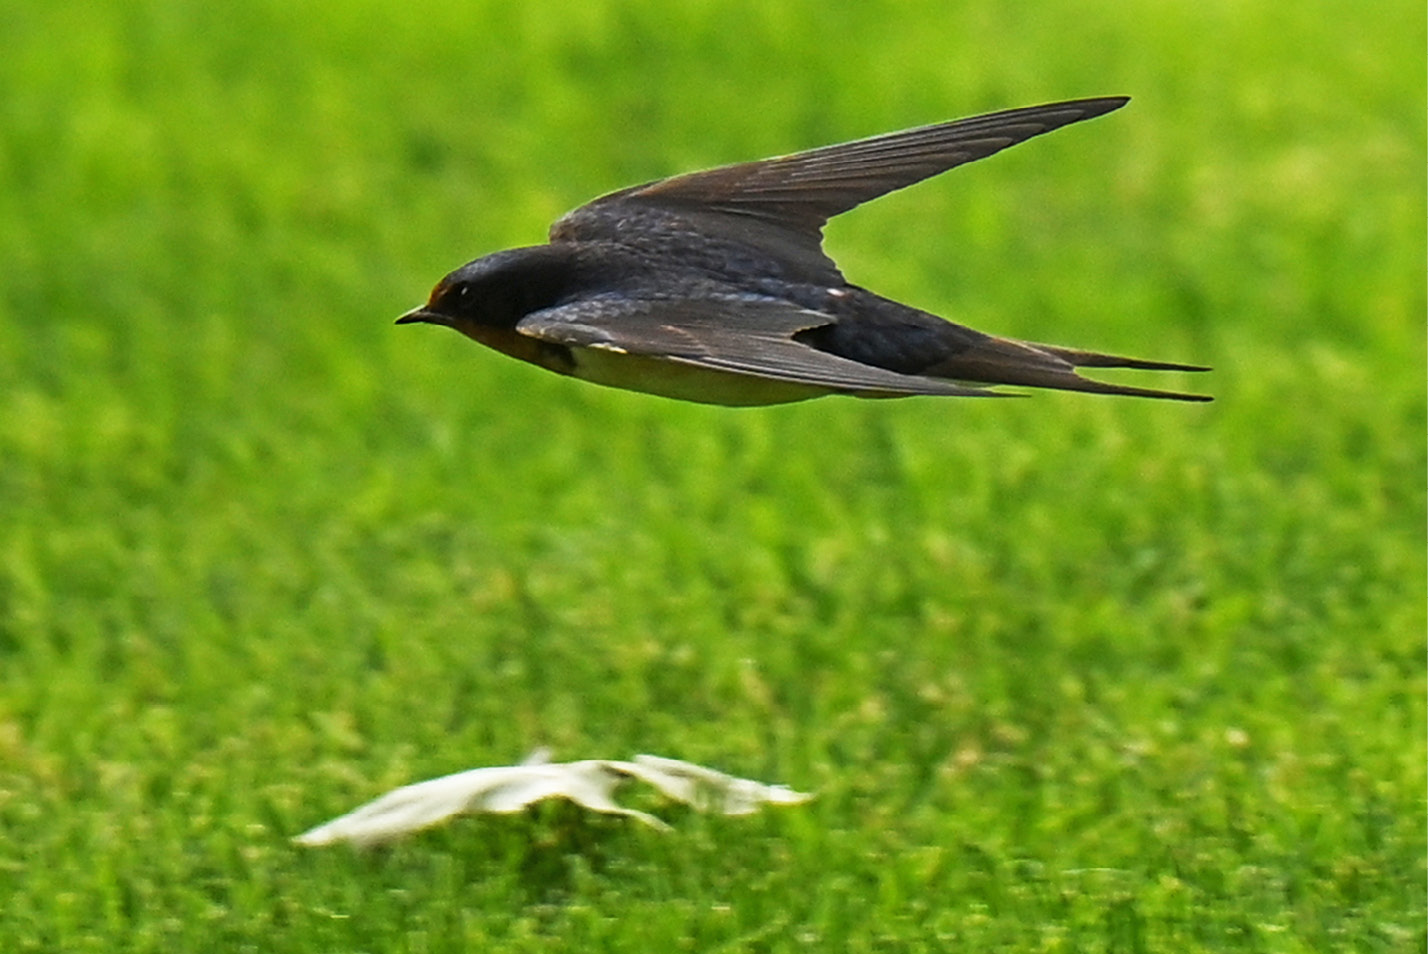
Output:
(450, 295)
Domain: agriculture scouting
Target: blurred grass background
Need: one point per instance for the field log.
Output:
(1068, 673)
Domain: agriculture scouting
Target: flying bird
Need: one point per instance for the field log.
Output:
(714, 286)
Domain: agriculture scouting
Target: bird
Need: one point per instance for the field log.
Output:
(714, 286)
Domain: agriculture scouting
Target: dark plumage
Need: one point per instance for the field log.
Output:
(714, 286)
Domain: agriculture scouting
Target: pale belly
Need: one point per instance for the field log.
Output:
(685, 382)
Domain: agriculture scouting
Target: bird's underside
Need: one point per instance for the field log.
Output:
(862, 345)
(714, 286)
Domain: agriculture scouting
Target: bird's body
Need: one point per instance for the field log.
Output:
(714, 287)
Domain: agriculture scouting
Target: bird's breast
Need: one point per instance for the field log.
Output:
(545, 354)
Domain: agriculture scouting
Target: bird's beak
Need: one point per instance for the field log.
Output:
(420, 314)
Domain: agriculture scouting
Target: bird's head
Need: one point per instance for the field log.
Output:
(497, 290)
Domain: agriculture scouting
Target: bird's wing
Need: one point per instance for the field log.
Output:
(780, 205)
(740, 334)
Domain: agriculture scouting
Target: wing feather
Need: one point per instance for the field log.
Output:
(801, 192)
(744, 335)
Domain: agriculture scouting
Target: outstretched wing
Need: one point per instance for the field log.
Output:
(736, 335)
(780, 205)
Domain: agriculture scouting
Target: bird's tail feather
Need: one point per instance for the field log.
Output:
(1007, 361)
(1093, 359)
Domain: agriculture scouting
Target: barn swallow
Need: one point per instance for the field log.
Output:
(714, 286)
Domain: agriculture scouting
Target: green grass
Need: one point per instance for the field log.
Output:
(1069, 673)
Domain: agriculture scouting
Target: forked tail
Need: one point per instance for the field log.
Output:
(1008, 361)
